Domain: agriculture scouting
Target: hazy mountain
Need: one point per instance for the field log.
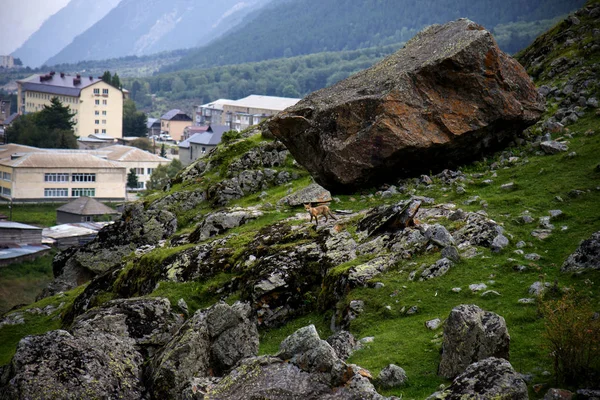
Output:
(60, 29)
(290, 28)
(139, 27)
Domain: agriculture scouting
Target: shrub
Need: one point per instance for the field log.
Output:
(572, 333)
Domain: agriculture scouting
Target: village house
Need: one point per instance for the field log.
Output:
(98, 106)
(201, 143)
(173, 123)
(84, 209)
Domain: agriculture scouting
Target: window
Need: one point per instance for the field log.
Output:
(150, 171)
(103, 122)
(97, 102)
(97, 122)
(56, 177)
(140, 185)
(103, 130)
(104, 102)
(96, 91)
(204, 150)
(96, 112)
(56, 192)
(139, 171)
(87, 218)
(7, 176)
(105, 91)
(95, 130)
(103, 112)
(6, 191)
(90, 192)
(83, 177)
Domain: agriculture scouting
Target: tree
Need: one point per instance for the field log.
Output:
(115, 81)
(51, 127)
(107, 77)
(142, 144)
(163, 174)
(163, 152)
(132, 179)
(134, 122)
(18, 61)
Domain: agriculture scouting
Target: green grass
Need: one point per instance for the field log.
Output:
(35, 324)
(21, 283)
(42, 215)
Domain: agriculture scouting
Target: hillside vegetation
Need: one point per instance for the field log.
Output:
(518, 190)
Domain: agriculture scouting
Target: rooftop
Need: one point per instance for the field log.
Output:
(217, 104)
(175, 115)
(131, 154)
(17, 225)
(58, 160)
(264, 102)
(59, 84)
(210, 138)
(86, 206)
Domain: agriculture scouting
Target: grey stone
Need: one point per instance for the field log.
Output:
(433, 324)
(553, 147)
(221, 221)
(441, 267)
(470, 335)
(439, 235)
(392, 376)
(527, 300)
(490, 378)
(520, 244)
(451, 253)
(313, 193)
(532, 256)
(490, 293)
(477, 287)
(510, 186)
(344, 344)
(585, 257)
(558, 394)
(499, 243)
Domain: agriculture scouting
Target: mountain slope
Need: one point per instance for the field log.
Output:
(288, 28)
(60, 29)
(139, 27)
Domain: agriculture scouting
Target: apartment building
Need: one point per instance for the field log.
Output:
(242, 113)
(98, 106)
(30, 174)
(174, 122)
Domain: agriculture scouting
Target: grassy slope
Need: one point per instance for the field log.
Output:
(402, 339)
(20, 283)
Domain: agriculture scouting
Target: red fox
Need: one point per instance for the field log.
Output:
(319, 210)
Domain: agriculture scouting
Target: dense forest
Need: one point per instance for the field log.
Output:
(299, 27)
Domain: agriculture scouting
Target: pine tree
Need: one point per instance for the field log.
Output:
(132, 179)
(163, 152)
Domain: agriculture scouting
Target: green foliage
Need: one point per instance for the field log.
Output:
(21, 283)
(163, 174)
(515, 36)
(132, 179)
(134, 121)
(52, 127)
(357, 24)
(143, 144)
(572, 332)
(230, 136)
(163, 152)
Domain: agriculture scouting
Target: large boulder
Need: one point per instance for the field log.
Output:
(470, 335)
(586, 257)
(491, 378)
(449, 95)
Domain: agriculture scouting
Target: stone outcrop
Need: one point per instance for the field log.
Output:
(396, 217)
(586, 257)
(209, 343)
(218, 222)
(448, 96)
(491, 378)
(313, 193)
(470, 335)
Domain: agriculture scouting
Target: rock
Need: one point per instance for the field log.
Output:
(499, 243)
(586, 257)
(392, 376)
(532, 256)
(477, 287)
(61, 365)
(439, 235)
(558, 394)
(218, 222)
(491, 378)
(520, 244)
(396, 217)
(343, 343)
(538, 288)
(553, 147)
(211, 342)
(305, 349)
(527, 300)
(490, 293)
(451, 253)
(436, 270)
(541, 234)
(555, 214)
(424, 108)
(510, 186)
(470, 335)
(313, 193)
(433, 324)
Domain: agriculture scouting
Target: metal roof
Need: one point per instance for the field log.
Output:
(132, 154)
(17, 225)
(176, 114)
(22, 250)
(56, 84)
(152, 121)
(59, 160)
(73, 229)
(265, 102)
(217, 104)
(86, 206)
(10, 118)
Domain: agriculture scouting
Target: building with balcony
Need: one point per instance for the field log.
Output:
(98, 106)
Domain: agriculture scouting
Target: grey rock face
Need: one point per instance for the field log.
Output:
(343, 343)
(478, 231)
(392, 376)
(313, 193)
(586, 257)
(439, 235)
(553, 147)
(471, 335)
(396, 217)
(305, 349)
(436, 270)
(491, 378)
(499, 243)
(61, 365)
(221, 221)
(210, 342)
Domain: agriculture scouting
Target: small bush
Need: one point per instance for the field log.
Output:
(573, 337)
(230, 136)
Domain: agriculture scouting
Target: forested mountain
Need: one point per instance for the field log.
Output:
(140, 27)
(60, 29)
(288, 28)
